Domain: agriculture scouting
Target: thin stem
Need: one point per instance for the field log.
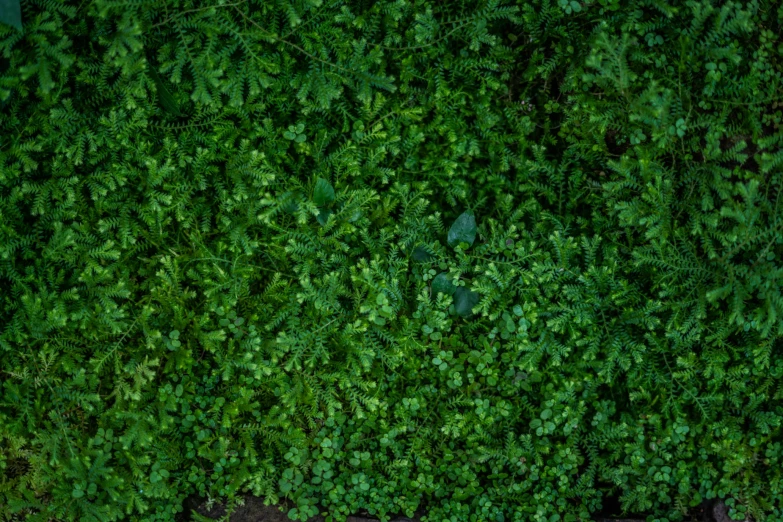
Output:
(410, 48)
(177, 15)
(286, 42)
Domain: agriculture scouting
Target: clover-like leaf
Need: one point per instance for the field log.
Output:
(463, 230)
(464, 301)
(323, 193)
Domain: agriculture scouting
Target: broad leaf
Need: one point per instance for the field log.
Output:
(289, 204)
(323, 217)
(463, 230)
(442, 284)
(421, 255)
(11, 13)
(323, 193)
(165, 98)
(464, 301)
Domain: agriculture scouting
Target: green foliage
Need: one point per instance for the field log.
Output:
(232, 258)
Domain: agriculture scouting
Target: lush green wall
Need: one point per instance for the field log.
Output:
(499, 260)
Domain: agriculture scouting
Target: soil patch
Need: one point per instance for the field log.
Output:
(254, 510)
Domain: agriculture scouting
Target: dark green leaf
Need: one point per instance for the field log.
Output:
(289, 202)
(324, 216)
(442, 283)
(323, 193)
(166, 100)
(463, 230)
(421, 254)
(11, 13)
(464, 301)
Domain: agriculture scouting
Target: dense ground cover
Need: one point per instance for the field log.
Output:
(502, 260)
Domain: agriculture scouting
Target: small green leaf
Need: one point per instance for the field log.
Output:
(464, 301)
(442, 284)
(11, 13)
(174, 334)
(178, 391)
(77, 492)
(463, 230)
(323, 193)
